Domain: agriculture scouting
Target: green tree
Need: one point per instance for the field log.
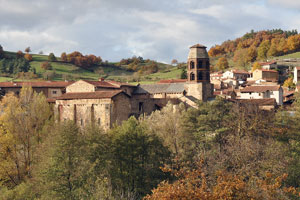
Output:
(183, 74)
(136, 158)
(64, 170)
(1, 52)
(51, 57)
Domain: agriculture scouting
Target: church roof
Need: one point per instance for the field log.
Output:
(160, 88)
(89, 95)
(198, 46)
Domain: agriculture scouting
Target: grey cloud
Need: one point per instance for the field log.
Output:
(115, 29)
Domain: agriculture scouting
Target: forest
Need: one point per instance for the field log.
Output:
(256, 46)
(221, 150)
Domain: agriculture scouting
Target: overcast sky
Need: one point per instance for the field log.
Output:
(157, 29)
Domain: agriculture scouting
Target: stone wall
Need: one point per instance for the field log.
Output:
(80, 86)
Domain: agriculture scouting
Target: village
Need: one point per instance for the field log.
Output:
(107, 102)
(263, 87)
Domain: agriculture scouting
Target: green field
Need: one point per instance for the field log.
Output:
(68, 71)
(287, 56)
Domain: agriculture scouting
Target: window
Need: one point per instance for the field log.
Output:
(200, 64)
(54, 92)
(99, 121)
(192, 76)
(140, 106)
(81, 122)
(192, 65)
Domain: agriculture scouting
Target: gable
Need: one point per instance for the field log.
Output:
(80, 86)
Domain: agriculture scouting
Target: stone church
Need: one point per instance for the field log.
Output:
(108, 102)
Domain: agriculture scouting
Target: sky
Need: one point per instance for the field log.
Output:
(160, 30)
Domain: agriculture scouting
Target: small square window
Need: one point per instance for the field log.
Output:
(54, 92)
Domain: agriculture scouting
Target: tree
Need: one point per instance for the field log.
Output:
(255, 66)
(240, 58)
(51, 57)
(293, 43)
(194, 184)
(46, 65)
(222, 63)
(251, 54)
(1, 52)
(27, 50)
(63, 171)
(183, 74)
(174, 62)
(289, 83)
(28, 57)
(22, 124)
(263, 50)
(64, 57)
(20, 54)
(167, 125)
(136, 158)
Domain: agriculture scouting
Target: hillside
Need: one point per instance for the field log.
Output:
(113, 71)
(263, 45)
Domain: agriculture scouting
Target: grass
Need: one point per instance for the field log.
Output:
(287, 56)
(63, 70)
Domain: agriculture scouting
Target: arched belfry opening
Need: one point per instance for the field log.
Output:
(198, 64)
(192, 65)
(192, 76)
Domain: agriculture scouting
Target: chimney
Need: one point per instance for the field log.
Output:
(101, 79)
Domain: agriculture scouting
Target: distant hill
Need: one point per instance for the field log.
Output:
(61, 70)
(256, 46)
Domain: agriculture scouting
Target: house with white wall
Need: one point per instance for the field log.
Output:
(263, 92)
(296, 75)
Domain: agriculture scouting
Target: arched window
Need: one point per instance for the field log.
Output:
(192, 65)
(192, 76)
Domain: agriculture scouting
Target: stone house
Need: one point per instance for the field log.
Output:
(240, 75)
(263, 92)
(51, 89)
(268, 75)
(268, 65)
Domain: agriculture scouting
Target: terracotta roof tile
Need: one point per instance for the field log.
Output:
(119, 83)
(40, 84)
(89, 95)
(260, 88)
(239, 71)
(266, 70)
(173, 81)
(260, 102)
(102, 84)
(267, 63)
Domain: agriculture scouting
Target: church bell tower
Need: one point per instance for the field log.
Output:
(198, 65)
